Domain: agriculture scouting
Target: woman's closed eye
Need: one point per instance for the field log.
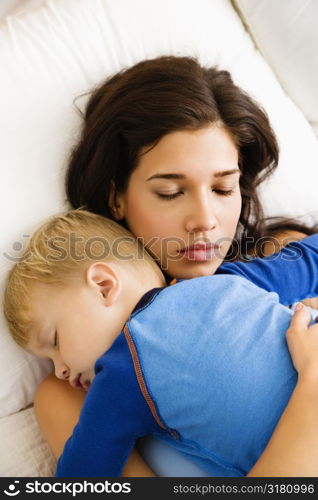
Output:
(224, 192)
(171, 196)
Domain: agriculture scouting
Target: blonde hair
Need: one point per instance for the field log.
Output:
(59, 251)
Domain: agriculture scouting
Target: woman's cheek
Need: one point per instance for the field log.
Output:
(148, 220)
(159, 234)
(235, 212)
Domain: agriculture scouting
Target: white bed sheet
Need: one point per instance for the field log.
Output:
(65, 47)
(23, 450)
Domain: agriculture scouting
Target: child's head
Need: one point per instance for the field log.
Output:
(74, 287)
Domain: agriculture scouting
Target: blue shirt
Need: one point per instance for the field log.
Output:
(203, 365)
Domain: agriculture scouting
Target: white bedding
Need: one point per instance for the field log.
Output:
(23, 451)
(52, 54)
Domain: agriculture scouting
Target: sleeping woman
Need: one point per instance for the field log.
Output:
(175, 152)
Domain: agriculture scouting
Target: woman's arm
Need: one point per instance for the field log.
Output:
(293, 448)
(292, 273)
(57, 408)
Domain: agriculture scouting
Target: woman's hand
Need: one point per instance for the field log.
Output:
(293, 448)
(311, 302)
(302, 341)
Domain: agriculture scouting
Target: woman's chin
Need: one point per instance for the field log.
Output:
(192, 269)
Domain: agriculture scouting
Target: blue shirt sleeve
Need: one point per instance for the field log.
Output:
(292, 273)
(114, 415)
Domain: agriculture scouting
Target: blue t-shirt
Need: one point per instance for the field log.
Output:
(203, 365)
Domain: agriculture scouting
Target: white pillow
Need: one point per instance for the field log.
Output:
(11, 7)
(285, 32)
(56, 52)
(23, 451)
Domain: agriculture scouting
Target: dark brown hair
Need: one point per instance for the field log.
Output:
(136, 107)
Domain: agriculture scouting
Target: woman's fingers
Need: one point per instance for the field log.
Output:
(302, 341)
(313, 302)
(301, 317)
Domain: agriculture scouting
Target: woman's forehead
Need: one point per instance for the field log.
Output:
(212, 147)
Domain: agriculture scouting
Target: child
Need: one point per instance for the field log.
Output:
(202, 364)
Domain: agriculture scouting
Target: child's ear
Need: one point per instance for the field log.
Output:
(103, 278)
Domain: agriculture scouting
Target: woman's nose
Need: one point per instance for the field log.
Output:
(201, 218)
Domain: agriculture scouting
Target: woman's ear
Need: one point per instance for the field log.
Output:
(104, 280)
(116, 203)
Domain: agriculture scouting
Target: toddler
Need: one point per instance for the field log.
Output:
(202, 364)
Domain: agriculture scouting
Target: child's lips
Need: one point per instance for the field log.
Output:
(80, 383)
(84, 383)
(76, 382)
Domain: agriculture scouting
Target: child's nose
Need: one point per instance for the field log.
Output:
(61, 371)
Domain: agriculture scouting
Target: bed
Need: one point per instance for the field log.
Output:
(53, 51)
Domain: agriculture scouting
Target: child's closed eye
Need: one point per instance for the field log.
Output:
(56, 339)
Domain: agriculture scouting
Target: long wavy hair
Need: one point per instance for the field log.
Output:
(136, 107)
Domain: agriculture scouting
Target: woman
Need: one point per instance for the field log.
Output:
(174, 152)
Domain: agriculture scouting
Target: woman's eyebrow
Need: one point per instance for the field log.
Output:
(166, 176)
(220, 173)
(223, 173)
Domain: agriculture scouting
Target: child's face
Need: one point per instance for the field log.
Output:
(69, 326)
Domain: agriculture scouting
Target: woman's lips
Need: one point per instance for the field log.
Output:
(200, 252)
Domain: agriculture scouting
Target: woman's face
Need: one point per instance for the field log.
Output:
(183, 200)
